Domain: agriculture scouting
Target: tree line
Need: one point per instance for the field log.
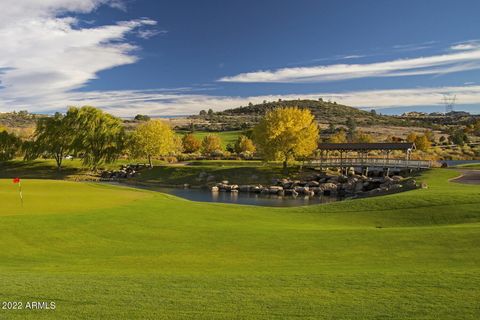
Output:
(96, 137)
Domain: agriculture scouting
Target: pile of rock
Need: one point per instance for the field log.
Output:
(125, 172)
(323, 185)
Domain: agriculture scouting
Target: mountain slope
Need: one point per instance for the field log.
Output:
(325, 112)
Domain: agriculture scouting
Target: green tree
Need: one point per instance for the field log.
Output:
(244, 145)
(9, 145)
(153, 139)
(352, 128)
(476, 128)
(54, 137)
(211, 143)
(190, 143)
(142, 117)
(202, 113)
(286, 134)
(459, 137)
(100, 137)
(331, 128)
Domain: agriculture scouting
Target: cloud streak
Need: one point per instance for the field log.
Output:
(127, 103)
(462, 57)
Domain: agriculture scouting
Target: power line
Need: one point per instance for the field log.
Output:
(449, 102)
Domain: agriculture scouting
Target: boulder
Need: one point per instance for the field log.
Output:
(256, 189)
(394, 187)
(231, 187)
(410, 183)
(302, 190)
(281, 182)
(315, 190)
(245, 188)
(327, 186)
(313, 183)
(290, 192)
(275, 189)
(309, 193)
(358, 187)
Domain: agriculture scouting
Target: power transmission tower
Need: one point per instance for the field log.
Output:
(449, 102)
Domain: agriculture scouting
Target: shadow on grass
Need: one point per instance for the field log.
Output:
(37, 169)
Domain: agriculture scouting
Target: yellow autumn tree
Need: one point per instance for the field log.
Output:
(412, 136)
(152, 139)
(286, 134)
(211, 143)
(244, 145)
(422, 143)
(338, 137)
(190, 143)
(364, 137)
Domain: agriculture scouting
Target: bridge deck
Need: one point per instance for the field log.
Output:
(370, 162)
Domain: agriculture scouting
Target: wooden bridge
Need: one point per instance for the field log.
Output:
(362, 159)
(369, 162)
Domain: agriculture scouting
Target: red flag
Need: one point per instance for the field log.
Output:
(16, 180)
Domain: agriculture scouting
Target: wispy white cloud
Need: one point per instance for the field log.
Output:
(413, 46)
(149, 33)
(353, 56)
(45, 53)
(458, 60)
(185, 101)
(466, 45)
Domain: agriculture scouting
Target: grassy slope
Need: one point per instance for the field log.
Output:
(470, 166)
(156, 256)
(239, 172)
(227, 137)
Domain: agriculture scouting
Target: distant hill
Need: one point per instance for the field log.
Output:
(325, 112)
(20, 119)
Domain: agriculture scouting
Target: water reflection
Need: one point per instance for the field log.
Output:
(205, 195)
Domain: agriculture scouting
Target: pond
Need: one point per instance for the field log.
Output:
(205, 195)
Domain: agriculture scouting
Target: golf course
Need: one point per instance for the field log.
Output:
(111, 252)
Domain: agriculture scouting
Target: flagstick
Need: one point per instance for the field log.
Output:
(20, 191)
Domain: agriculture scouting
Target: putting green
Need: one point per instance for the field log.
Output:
(117, 253)
(47, 196)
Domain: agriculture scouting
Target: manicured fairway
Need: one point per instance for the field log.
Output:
(227, 137)
(115, 253)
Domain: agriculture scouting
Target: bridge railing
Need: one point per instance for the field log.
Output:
(370, 162)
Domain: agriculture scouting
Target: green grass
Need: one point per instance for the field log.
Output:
(227, 137)
(47, 168)
(115, 253)
(238, 172)
(469, 166)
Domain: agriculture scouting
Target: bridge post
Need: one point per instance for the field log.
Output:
(365, 169)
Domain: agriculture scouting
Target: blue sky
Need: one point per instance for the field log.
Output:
(177, 57)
